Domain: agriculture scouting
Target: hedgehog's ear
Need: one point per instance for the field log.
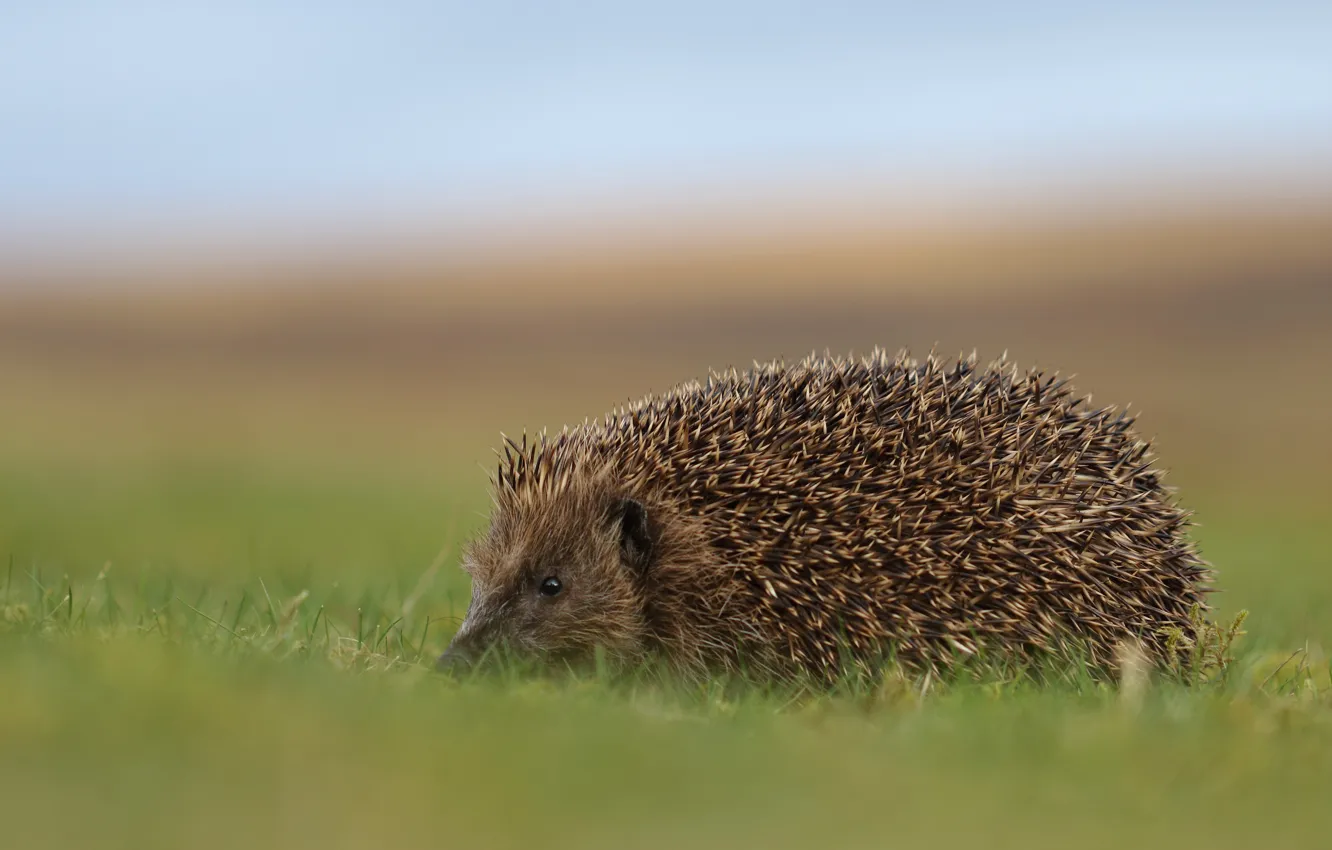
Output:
(635, 537)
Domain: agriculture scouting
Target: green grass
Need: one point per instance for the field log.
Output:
(208, 654)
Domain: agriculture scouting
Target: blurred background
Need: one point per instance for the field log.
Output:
(254, 246)
(274, 276)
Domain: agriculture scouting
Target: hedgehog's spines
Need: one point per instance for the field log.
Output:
(907, 499)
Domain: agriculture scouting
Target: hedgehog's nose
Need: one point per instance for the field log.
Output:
(455, 659)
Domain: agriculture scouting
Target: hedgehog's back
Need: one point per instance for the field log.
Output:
(937, 507)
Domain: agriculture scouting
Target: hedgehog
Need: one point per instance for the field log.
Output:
(799, 522)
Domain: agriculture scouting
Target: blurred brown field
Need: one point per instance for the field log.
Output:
(225, 487)
(1213, 320)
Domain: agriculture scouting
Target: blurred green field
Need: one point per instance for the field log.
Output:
(228, 559)
(221, 652)
(196, 656)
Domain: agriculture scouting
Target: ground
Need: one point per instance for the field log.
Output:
(228, 564)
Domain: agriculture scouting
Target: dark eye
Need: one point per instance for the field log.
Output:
(551, 586)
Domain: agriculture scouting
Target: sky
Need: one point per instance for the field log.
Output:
(116, 110)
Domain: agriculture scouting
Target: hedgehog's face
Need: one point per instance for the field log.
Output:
(556, 581)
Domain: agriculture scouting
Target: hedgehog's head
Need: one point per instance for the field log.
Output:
(561, 573)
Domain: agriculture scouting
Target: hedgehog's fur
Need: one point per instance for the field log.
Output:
(802, 521)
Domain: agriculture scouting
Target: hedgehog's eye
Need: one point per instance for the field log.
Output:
(551, 586)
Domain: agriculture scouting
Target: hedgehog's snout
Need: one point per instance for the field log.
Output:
(455, 659)
(466, 648)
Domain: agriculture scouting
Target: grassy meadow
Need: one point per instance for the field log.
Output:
(228, 556)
